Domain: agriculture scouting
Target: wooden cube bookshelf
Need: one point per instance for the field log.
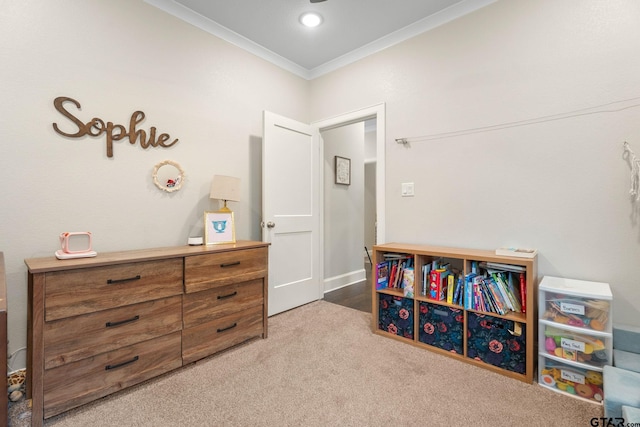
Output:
(502, 343)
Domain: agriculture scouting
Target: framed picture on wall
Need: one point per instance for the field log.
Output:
(343, 170)
(219, 228)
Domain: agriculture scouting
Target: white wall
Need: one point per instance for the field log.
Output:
(116, 57)
(343, 208)
(561, 186)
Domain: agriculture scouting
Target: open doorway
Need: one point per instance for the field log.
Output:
(351, 210)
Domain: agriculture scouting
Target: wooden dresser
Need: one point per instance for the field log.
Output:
(99, 325)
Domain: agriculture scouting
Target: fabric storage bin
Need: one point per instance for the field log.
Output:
(395, 315)
(572, 380)
(441, 326)
(497, 341)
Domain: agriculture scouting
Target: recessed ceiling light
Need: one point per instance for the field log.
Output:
(310, 19)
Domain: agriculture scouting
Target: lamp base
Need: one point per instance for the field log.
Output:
(225, 209)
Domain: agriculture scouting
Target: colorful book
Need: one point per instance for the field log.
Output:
(382, 273)
(468, 291)
(437, 284)
(523, 292)
(426, 271)
(501, 287)
(408, 282)
(451, 282)
(458, 296)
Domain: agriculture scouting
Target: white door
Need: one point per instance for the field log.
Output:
(290, 211)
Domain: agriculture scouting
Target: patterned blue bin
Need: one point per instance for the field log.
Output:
(490, 340)
(441, 326)
(395, 315)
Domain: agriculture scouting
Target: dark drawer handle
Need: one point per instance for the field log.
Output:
(228, 296)
(226, 329)
(230, 264)
(122, 322)
(119, 365)
(128, 279)
(495, 325)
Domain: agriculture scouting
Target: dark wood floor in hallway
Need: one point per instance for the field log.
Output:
(357, 296)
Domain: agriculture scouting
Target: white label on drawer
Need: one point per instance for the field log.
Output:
(571, 344)
(567, 307)
(571, 376)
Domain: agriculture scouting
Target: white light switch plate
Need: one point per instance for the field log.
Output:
(407, 189)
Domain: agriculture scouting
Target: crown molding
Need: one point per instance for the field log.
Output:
(444, 16)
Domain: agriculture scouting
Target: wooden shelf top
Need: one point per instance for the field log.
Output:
(447, 252)
(48, 264)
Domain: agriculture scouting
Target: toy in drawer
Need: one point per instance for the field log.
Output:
(395, 315)
(587, 313)
(497, 341)
(441, 326)
(567, 345)
(584, 383)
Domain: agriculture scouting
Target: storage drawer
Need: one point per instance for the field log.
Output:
(491, 340)
(80, 382)
(570, 346)
(395, 315)
(576, 303)
(441, 326)
(202, 272)
(74, 292)
(568, 379)
(205, 306)
(209, 338)
(74, 338)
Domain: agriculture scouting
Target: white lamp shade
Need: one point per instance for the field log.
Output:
(225, 188)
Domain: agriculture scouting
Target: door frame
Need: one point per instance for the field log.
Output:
(376, 111)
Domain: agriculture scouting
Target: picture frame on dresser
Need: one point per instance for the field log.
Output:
(219, 228)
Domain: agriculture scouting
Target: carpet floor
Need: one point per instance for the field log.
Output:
(322, 366)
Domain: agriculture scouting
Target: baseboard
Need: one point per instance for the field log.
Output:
(337, 282)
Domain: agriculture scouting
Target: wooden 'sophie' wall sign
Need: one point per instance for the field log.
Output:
(113, 132)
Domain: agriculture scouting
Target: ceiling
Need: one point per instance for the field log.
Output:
(352, 29)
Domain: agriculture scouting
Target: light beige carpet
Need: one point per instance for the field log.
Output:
(322, 366)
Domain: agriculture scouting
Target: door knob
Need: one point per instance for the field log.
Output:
(271, 224)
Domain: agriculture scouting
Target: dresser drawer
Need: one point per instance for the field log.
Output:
(80, 382)
(202, 272)
(205, 306)
(209, 338)
(75, 292)
(74, 338)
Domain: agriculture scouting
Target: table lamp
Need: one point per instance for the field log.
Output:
(225, 188)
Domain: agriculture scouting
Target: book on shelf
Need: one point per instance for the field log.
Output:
(396, 266)
(517, 252)
(450, 287)
(468, 290)
(500, 304)
(437, 284)
(501, 287)
(477, 302)
(458, 296)
(523, 292)
(382, 274)
(426, 274)
(408, 282)
(503, 267)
